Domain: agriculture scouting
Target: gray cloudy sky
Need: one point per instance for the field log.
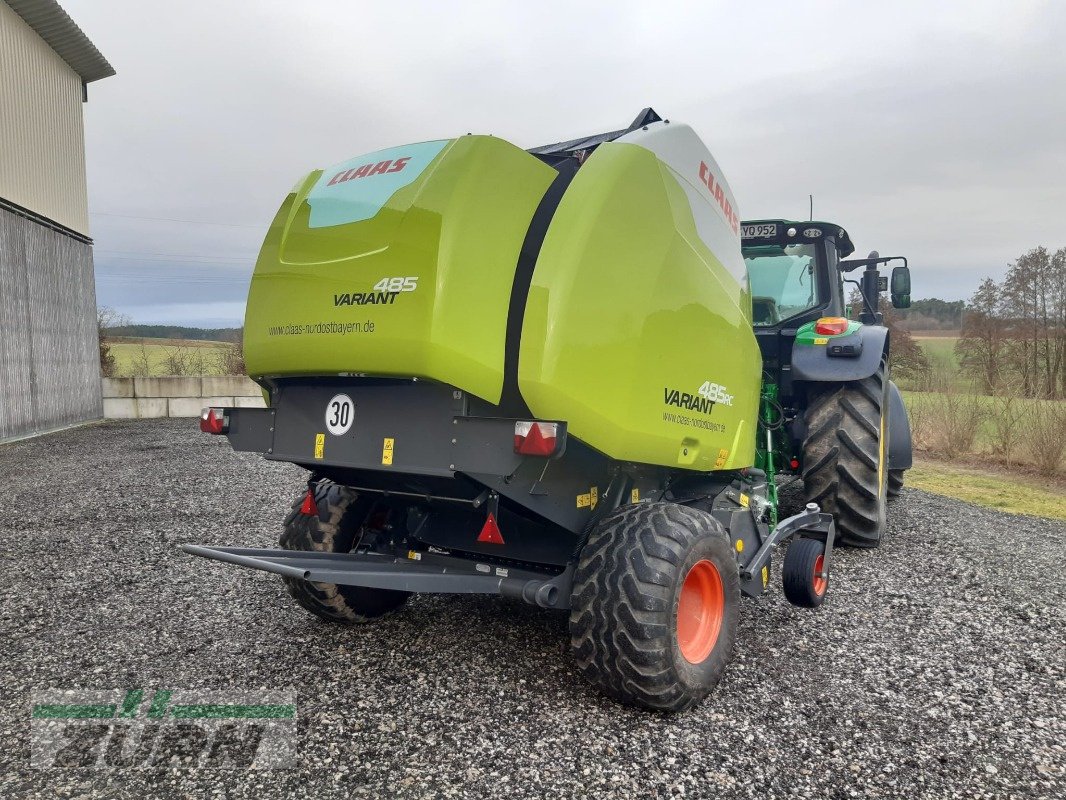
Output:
(933, 130)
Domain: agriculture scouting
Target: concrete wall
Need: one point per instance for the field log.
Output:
(49, 356)
(139, 398)
(42, 142)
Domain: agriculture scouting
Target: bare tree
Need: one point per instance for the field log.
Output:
(106, 319)
(141, 363)
(231, 358)
(982, 345)
(1014, 333)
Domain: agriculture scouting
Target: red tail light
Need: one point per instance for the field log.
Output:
(214, 421)
(830, 326)
(535, 438)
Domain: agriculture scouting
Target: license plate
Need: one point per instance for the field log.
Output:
(759, 231)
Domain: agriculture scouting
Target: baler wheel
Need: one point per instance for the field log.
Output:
(845, 461)
(332, 527)
(654, 606)
(804, 560)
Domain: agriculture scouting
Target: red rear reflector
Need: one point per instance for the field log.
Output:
(490, 532)
(830, 326)
(794, 463)
(309, 507)
(213, 420)
(535, 438)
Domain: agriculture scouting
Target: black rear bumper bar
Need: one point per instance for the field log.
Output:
(429, 573)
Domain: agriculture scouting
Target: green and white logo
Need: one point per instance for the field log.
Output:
(117, 728)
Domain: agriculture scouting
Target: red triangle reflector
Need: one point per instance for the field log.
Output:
(309, 507)
(490, 532)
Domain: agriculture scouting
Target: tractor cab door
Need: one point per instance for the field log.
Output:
(791, 284)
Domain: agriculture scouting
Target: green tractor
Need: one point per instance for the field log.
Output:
(536, 374)
(840, 419)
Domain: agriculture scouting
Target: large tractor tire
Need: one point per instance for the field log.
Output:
(895, 482)
(333, 530)
(654, 607)
(845, 469)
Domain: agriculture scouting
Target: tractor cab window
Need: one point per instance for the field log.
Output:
(783, 280)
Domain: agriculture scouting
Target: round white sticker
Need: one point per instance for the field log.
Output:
(340, 412)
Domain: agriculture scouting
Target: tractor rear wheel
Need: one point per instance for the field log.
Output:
(332, 527)
(895, 482)
(654, 607)
(844, 457)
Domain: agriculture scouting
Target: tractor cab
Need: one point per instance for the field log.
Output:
(796, 273)
(791, 271)
(794, 280)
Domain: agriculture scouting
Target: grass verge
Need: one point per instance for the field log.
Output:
(1014, 494)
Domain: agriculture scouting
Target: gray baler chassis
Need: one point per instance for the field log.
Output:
(453, 467)
(438, 573)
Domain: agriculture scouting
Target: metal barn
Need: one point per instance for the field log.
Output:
(49, 360)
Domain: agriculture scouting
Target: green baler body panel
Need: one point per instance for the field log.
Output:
(636, 332)
(456, 228)
(627, 306)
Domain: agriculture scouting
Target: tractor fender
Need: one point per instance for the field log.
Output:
(899, 430)
(812, 362)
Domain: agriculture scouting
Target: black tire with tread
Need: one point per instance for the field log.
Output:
(334, 534)
(623, 628)
(841, 457)
(798, 573)
(895, 482)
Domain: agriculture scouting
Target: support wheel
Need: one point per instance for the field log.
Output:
(844, 457)
(800, 572)
(654, 607)
(333, 530)
(895, 482)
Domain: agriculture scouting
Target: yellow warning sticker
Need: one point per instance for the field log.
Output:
(584, 500)
(386, 451)
(594, 496)
(320, 445)
(634, 496)
(740, 545)
(765, 576)
(821, 340)
(719, 462)
(743, 499)
(723, 453)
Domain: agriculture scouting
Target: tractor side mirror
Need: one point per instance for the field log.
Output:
(901, 287)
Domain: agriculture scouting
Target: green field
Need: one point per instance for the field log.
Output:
(944, 365)
(158, 357)
(938, 349)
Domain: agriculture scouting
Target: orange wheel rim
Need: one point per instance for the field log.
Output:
(699, 611)
(819, 582)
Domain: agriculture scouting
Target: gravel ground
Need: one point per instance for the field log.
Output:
(935, 668)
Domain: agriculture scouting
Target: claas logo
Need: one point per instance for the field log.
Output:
(708, 179)
(366, 170)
